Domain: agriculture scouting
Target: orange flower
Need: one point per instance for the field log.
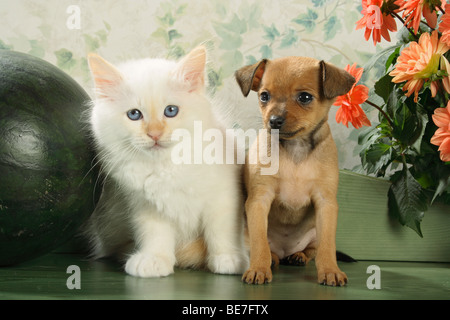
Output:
(350, 111)
(444, 26)
(441, 138)
(415, 9)
(376, 23)
(418, 62)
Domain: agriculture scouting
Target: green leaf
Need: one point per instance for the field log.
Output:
(331, 27)
(266, 52)
(409, 123)
(175, 52)
(404, 37)
(181, 9)
(377, 157)
(102, 35)
(251, 14)
(168, 20)
(375, 153)
(64, 59)
(250, 60)
(36, 49)
(367, 139)
(320, 3)
(231, 37)
(271, 33)
(214, 80)
(174, 34)
(289, 39)
(384, 86)
(308, 19)
(236, 25)
(368, 136)
(392, 58)
(443, 183)
(161, 33)
(107, 25)
(421, 126)
(231, 42)
(393, 102)
(383, 54)
(407, 200)
(92, 43)
(221, 9)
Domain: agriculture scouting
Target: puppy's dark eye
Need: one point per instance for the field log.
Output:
(134, 115)
(304, 98)
(264, 97)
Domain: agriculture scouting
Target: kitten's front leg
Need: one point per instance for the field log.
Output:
(155, 242)
(224, 238)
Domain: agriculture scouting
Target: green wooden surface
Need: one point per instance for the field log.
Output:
(366, 232)
(45, 278)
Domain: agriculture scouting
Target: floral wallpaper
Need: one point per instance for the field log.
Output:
(237, 32)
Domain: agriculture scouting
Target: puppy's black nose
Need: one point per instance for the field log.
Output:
(276, 122)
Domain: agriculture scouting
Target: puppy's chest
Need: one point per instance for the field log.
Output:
(296, 183)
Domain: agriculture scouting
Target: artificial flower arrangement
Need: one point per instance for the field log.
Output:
(411, 143)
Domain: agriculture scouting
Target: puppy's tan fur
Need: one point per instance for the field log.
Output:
(292, 215)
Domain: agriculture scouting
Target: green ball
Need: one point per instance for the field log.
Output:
(47, 187)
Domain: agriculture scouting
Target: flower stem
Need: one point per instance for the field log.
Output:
(403, 22)
(425, 23)
(381, 111)
(440, 9)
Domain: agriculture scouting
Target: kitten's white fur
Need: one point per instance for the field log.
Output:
(152, 209)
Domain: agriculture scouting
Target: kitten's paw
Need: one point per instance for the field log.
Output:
(227, 263)
(147, 266)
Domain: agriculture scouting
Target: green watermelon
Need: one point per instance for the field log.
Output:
(47, 187)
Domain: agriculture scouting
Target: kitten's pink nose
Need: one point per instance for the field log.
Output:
(154, 135)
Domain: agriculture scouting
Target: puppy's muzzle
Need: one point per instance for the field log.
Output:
(276, 122)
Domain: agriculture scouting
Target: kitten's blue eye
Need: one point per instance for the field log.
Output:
(134, 115)
(171, 111)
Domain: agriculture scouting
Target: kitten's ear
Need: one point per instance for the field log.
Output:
(106, 76)
(191, 69)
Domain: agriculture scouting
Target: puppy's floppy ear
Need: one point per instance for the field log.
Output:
(249, 77)
(335, 81)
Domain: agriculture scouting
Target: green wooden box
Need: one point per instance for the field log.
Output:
(366, 232)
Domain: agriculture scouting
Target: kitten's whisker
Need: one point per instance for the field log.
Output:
(104, 156)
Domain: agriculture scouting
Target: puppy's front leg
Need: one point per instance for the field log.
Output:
(328, 271)
(257, 209)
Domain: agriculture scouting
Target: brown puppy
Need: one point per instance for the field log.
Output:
(292, 215)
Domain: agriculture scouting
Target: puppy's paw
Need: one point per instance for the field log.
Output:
(332, 277)
(296, 259)
(227, 263)
(147, 266)
(275, 261)
(257, 275)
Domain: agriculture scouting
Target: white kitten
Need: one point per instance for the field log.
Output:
(154, 212)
